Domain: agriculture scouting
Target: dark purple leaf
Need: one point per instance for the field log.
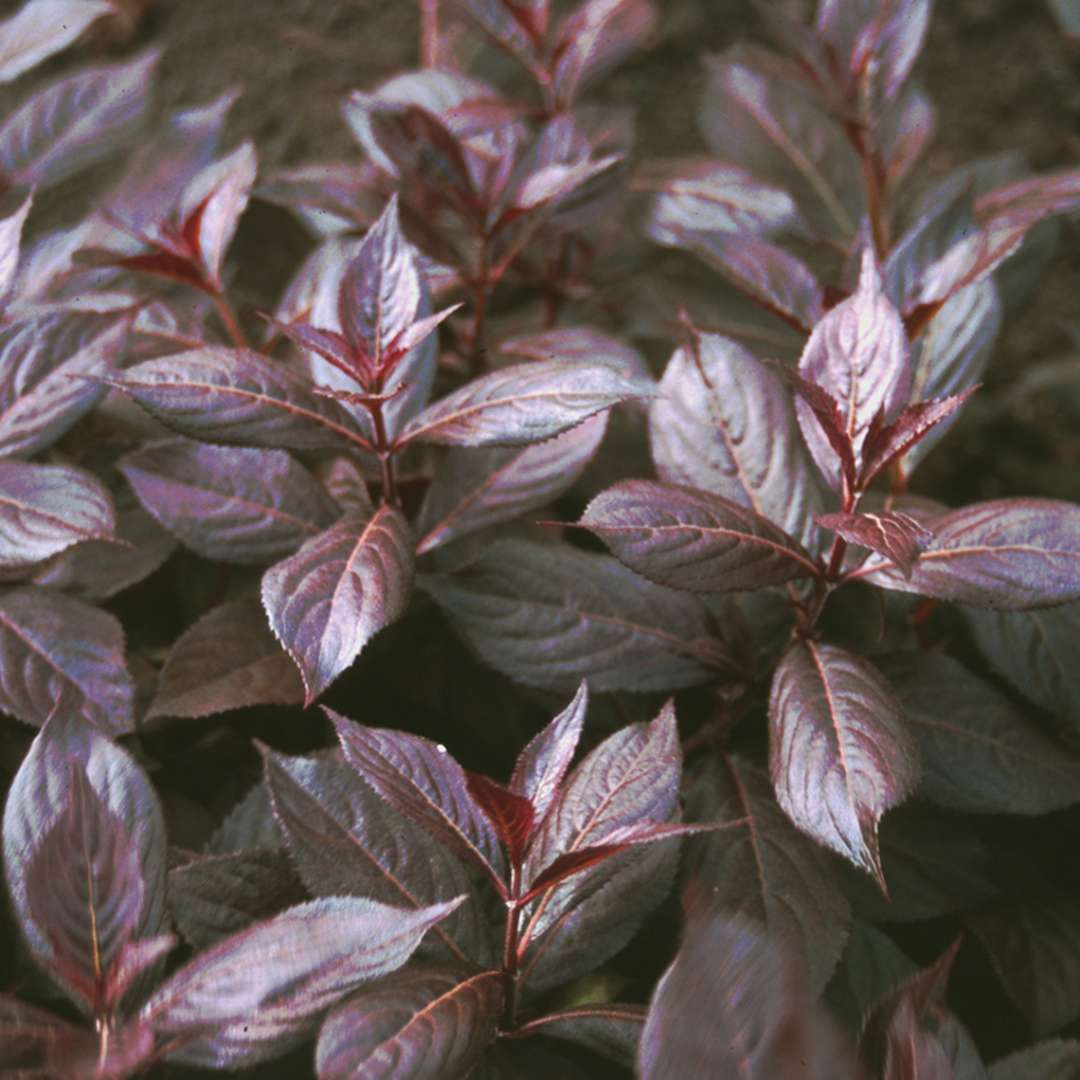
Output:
(512, 815)
(260, 992)
(618, 840)
(723, 422)
(44, 393)
(47, 508)
(1055, 1057)
(693, 540)
(124, 844)
(346, 840)
(214, 896)
(858, 353)
(57, 652)
(552, 185)
(1009, 554)
(474, 489)
(1034, 946)
(517, 25)
(541, 766)
(979, 753)
(340, 589)
(892, 534)
(871, 966)
(421, 1023)
(595, 37)
(236, 396)
(630, 779)
(84, 890)
(886, 443)
(551, 615)
(228, 659)
(229, 503)
(40, 29)
(523, 404)
(1035, 651)
(609, 1029)
(75, 121)
(762, 867)
(827, 412)
(250, 824)
(760, 120)
(735, 1004)
(11, 228)
(935, 862)
(839, 753)
(966, 263)
(381, 288)
(425, 784)
(212, 205)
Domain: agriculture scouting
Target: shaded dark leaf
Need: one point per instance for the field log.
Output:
(421, 1023)
(234, 504)
(512, 815)
(551, 615)
(1009, 554)
(1056, 1057)
(228, 659)
(250, 824)
(839, 753)
(214, 896)
(523, 404)
(260, 992)
(474, 489)
(341, 588)
(763, 868)
(693, 540)
(609, 1029)
(979, 753)
(1034, 945)
(60, 652)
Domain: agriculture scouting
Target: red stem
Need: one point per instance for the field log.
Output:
(429, 33)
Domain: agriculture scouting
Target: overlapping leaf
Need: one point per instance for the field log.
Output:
(340, 589)
(56, 651)
(423, 782)
(235, 396)
(236, 504)
(1008, 554)
(474, 489)
(839, 753)
(693, 540)
(256, 994)
(420, 1023)
(760, 866)
(551, 615)
(42, 28)
(610, 1029)
(523, 404)
(347, 840)
(724, 422)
